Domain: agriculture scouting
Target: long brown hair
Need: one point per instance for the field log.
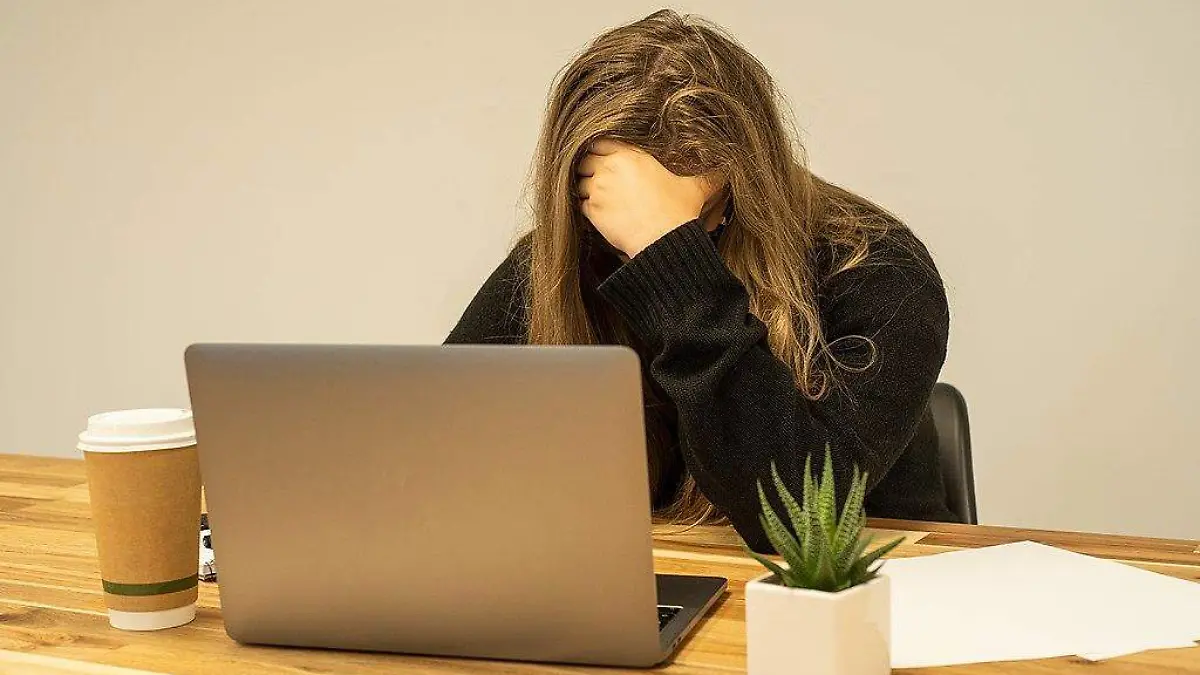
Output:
(690, 95)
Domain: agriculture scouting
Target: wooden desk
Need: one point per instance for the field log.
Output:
(52, 618)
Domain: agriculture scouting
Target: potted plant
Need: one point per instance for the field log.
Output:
(827, 611)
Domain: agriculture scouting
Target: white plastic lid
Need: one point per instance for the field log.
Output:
(137, 430)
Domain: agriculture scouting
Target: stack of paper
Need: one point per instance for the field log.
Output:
(1029, 601)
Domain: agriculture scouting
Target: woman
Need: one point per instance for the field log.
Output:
(775, 313)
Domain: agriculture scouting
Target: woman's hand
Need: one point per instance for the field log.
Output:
(632, 200)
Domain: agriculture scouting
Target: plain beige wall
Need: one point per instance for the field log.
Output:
(330, 171)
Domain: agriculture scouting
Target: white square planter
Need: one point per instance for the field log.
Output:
(793, 631)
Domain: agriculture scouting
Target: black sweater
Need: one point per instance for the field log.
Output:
(737, 406)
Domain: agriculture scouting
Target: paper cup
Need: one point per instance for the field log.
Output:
(144, 481)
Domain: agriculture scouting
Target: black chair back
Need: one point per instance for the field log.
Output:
(954, 448)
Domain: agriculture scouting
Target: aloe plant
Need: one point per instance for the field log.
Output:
(823, 551)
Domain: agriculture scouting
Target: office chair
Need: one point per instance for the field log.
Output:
(954, 450)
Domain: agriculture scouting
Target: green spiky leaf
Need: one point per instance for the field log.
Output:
(779, 541)
(827, 499)
(797, 515)
(802, 577)
(809, 497)
(772, 566)
(777, 532)
(826, 575)
(851, 554)
(853, 517)
(861, 569)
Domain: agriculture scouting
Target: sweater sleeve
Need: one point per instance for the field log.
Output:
(739, 408)
(496, 314)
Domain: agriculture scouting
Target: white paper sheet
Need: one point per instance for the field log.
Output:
(1030, 601)
(1100, 656)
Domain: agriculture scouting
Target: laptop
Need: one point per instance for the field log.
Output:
(479, 501)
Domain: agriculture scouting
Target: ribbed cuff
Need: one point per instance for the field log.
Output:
(680, 269)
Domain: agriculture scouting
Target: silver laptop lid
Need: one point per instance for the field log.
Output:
(467, 500)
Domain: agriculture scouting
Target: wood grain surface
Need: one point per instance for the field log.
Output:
(52, 618)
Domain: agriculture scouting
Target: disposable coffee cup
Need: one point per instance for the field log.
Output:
(144, 481)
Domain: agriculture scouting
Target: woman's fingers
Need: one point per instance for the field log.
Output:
(588, 209)
(587, 165)
(606, 146)
(583, 188)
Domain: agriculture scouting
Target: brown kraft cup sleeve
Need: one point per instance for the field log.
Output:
(146, 511)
